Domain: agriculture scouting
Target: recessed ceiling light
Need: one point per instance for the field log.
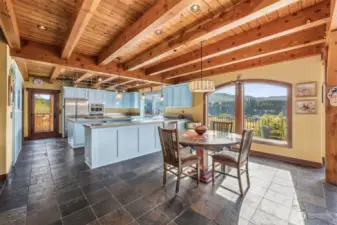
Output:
(41, 27)
(99, 79)
(195, 8)
(158, 32)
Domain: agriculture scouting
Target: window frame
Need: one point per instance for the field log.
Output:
(239, 107)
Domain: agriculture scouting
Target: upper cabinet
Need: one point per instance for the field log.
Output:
(95, 96)
(108, 98)
(71, 92)
(178, 96)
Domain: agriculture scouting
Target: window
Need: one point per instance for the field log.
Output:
(266, 109)
(221, 105)
(153, 105)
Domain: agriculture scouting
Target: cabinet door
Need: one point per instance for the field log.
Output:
(69, 92)
(146, 135)
(186, 96)
(126, 100)
(127, 142)
(109, 99)
(177, 96)
(135, 100)
(91, 96)
(81, 93)
(99, 97)
(168, 96)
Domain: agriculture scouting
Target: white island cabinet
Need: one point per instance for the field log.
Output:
(110, 143)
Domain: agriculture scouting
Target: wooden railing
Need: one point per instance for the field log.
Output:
(44, 123)
(274, 128)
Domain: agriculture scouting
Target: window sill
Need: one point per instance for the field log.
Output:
(284, 144)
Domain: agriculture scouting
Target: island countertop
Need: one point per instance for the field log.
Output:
(106, 118)
(124, 124)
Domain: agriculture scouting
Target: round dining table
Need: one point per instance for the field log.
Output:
(211, 141)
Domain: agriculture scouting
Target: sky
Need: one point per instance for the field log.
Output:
(257, 90)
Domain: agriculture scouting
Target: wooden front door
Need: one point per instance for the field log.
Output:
(43, 117)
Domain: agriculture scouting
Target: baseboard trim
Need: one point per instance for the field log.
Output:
(3, 177)
(287, 159)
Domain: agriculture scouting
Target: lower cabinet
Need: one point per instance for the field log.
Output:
(105, 146)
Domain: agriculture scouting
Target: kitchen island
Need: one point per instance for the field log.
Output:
(114, 142)
(76, 136)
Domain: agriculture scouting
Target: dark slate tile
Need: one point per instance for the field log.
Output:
(110, 180)
(69, 195)
(46, 215)
(47, 193)
(117, 217)
(174, 207)
(37, 204)
(8, 203)
(191, 217)
(41, 186)
(84, 216)
(128, 196)
(139, 207)
(64, 187)
(105, 206)
(73, 206)
(206, 208)
(154, 217)
(127, 175)
(14, 216)
(92, 187)
(119, 188)
(97, 196)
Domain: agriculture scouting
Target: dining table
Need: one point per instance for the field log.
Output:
(207, 144)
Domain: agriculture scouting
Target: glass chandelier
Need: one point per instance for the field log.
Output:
(201, 85)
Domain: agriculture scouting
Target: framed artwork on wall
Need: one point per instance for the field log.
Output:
(306, 106)
(308, 89)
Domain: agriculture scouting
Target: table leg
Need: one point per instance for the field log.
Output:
(205, 172)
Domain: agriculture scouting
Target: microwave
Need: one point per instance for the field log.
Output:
(96, 109)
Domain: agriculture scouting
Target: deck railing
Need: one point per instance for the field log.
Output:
(266, 127)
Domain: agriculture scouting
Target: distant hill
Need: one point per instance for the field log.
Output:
(223, 97)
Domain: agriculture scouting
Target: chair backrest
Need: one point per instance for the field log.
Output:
(222, 126)
(246, 143)
(169, 140)
(171, 124)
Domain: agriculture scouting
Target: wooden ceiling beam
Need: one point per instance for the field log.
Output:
(9, 24)
(79, 22)
(288, 43)
(83, 77)
(267, 60)
(240, 14)
(297, 22)
(49, 55)
(23, 69)
(113, 87)
(56, 72)
(142, 86)
(105, 80)
(161, 12)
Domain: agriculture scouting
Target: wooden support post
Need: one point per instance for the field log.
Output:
(331, 112)
(239, 110)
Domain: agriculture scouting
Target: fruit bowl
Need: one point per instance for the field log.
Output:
(200, 130)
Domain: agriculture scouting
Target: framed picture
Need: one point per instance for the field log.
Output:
(306, 89)
(306, 106)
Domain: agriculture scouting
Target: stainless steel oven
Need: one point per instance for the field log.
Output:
(96, 109)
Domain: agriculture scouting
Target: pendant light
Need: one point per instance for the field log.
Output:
(161, 93)
(201, 85)
(119, 95)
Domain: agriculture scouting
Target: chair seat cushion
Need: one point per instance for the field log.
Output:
(226, 156)
(187, 158)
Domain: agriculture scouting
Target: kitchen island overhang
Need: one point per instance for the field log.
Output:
(111, 143)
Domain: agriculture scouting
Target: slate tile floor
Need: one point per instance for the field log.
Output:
(51, 185)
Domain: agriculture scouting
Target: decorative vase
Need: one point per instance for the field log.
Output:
(200, 130)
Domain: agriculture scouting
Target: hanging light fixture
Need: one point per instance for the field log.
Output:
(143, 96)
(161, 94)
(201, 85)
(119, 95)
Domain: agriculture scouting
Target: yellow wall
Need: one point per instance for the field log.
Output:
(56, 85)
(308, 130)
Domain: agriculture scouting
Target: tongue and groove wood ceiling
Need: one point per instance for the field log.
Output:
(137, 43)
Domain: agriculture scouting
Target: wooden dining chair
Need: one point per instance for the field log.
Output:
(222, 126)
(235, 160)
(175, 158)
